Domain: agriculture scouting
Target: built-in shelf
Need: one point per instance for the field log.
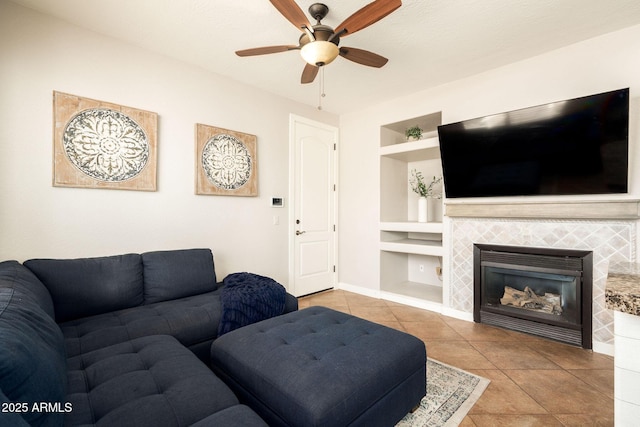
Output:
(410, 226)
(416, 290)
(414, 246)
(420, 291)
(393, 133)
(413, 151)
(410, 251)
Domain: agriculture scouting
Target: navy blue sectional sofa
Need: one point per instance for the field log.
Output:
(121, 340)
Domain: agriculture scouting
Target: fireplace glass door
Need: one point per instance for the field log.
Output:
(550, 296)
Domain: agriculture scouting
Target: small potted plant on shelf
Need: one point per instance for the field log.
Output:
(413, 133)
(425, 192)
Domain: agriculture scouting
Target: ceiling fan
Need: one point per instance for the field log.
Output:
(319, 43)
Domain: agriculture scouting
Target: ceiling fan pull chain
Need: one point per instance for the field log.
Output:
(321, 93)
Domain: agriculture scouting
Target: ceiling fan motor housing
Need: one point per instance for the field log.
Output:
(320, 33)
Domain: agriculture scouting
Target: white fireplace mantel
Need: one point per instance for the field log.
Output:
(616, 209)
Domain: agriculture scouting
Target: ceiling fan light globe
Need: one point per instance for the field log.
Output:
(319, 52)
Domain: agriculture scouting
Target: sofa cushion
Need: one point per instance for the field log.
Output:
(191, 320)
(146, 381)
(88, 286)
(32, 359)
(179, 273)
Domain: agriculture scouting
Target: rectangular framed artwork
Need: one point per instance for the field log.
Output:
(97, 144)
(226, 162)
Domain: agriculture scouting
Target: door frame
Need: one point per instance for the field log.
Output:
(291, 228)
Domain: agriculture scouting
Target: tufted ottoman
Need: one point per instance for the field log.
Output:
(321, 367)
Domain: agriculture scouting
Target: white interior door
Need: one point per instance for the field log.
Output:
(312, 211)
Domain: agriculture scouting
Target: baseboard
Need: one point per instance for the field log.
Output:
(400, 299)
(603, 348)
(413, 302)
(368, 292)
(457, 314)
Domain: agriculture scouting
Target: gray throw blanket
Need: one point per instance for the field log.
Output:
(248, 298)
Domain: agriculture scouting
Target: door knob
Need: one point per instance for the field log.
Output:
(298, 232)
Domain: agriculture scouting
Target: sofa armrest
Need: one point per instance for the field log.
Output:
(290, 303)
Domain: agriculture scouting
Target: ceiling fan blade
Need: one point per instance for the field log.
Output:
(363, 57)
(369, 14)
(265, 50)
(290, 10)
(309, 73)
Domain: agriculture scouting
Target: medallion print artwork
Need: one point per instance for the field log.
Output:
(106, 145)
(99, 144)
(226, 162)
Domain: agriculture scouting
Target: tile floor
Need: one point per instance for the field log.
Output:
(534, 382)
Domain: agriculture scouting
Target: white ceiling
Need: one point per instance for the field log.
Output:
(427, 42)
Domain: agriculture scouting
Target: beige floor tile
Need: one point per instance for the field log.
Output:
(363, 301)
(327, 299)
(411, 314)
(460, 354)
(503, 396)
(559, 392)
(515, 420)
(373, 313)
(601, 379)
(479, 332)
(432, 330)
(513, 355)
(582, 420)
(392, 324)
(570, 357)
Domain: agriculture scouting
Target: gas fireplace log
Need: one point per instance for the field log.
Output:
(527, 299)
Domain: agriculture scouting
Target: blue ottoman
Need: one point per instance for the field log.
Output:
(321, 367)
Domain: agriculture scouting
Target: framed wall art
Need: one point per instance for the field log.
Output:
(226, 162)
(103, 145)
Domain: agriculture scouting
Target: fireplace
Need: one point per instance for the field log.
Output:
(543, 292)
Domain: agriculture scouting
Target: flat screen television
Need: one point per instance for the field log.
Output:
(577, 146)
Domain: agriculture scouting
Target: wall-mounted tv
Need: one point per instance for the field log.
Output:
(577, 146)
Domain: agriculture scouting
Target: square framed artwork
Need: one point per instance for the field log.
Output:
(98, 144)
(226, 162)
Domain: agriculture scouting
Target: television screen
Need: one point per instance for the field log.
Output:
(577, 146)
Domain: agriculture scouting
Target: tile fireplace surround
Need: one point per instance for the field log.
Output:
(608, 228)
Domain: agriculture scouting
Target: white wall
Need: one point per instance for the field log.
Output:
(596, 65)
(40, 54)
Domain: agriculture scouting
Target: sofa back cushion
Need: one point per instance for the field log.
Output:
(176, 274)
(32, 358)
(88, 286)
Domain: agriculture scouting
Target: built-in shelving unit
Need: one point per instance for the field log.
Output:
(410, 252)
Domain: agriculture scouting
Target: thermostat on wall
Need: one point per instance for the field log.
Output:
(277, 202)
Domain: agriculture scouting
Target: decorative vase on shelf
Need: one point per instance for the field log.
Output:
(422, 209)
(424, 191)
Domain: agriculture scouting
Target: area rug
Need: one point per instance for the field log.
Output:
(451, 392)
